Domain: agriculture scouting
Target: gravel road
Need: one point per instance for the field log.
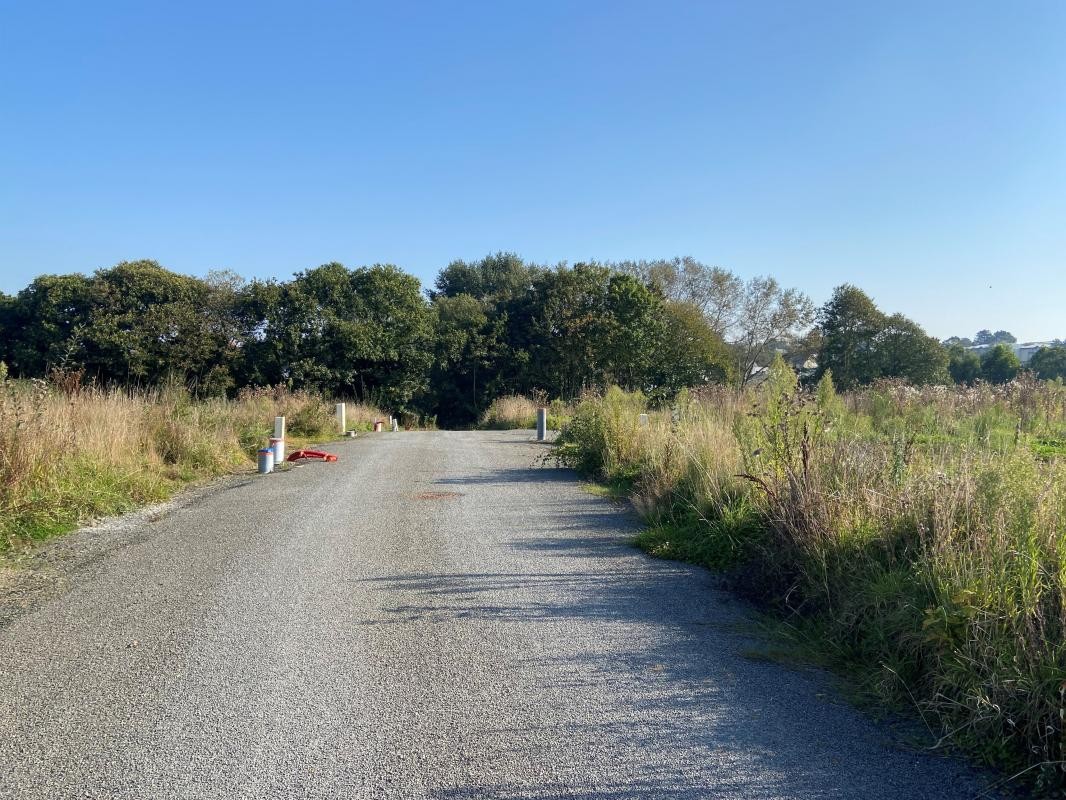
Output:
(434, 616)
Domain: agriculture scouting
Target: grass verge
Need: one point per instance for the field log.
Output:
(911, 539)
(73, 454)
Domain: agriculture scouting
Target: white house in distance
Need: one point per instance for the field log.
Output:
(1024, 350)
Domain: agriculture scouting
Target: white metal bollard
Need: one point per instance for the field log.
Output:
(279, 435)
(644, 420)
(542, 424)
(340, 414)
(266, 461)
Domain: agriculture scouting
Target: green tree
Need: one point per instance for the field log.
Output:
(7, 329)
(861, 344)
(850, 323)
(222, 311)
(364, 333)
(1049, 362)
(689, 352)
(589, 327)
(147, 326)
(500, 276)
(465, 343)
(46, 324)
(999, 364)
(905, 351)
(964, 365)
(987, 337)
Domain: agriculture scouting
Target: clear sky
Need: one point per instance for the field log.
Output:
(915, 149)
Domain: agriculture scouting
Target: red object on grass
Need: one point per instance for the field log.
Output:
(298, 454)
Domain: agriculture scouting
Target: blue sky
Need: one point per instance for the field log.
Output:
(915, 149)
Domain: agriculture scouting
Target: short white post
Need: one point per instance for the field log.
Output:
(542, 424)
(395, 425)
(266, 461)
(341, 422)
(279, 434)
(644, 420)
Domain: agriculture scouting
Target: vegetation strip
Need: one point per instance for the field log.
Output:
(912, 537)
(70, 454)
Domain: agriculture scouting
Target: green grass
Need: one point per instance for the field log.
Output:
(1048, 446)
(615, 492)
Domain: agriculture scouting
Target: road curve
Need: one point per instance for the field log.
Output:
(434, 616)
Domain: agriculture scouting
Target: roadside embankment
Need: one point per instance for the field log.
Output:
(910, 538)
(70, 454)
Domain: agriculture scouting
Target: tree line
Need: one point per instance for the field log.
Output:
(485, 328)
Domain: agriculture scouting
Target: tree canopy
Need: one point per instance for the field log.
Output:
(487, 327)
(860, 343)
(1049, 363)
(964, 365)
(504, 326)
(987, 337)
(999, 364)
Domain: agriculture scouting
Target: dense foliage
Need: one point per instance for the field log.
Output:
(860, 344)
(487, 328)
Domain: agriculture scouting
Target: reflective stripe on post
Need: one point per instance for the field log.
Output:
(266, 461)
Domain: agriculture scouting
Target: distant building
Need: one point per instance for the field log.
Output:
(804, 366)
(1024, 350)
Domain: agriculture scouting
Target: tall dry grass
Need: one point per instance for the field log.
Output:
(510, 411)
(519, 411)
(915, 538)
(70, 453)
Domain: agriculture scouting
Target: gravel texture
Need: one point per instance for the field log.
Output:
(434, 616)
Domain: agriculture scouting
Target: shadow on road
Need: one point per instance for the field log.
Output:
(671, 651)
(529, 475)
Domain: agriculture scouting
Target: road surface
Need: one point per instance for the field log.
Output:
(434, 616)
